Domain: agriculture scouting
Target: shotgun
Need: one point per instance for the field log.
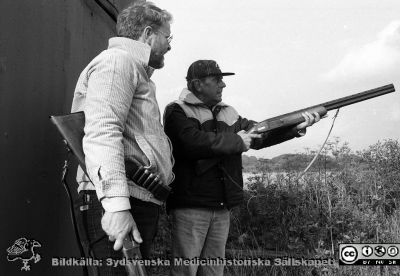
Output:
(294, 118)
(71, 127)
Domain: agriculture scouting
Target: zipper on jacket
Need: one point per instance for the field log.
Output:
(215, 112)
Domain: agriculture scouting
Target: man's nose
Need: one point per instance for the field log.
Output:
(222, 84)
(169, 47)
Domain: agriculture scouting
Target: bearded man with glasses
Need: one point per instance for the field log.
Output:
(123, 122)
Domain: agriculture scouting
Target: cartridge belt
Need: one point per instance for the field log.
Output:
(144, 178)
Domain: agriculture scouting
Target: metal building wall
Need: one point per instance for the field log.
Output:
(44, 44)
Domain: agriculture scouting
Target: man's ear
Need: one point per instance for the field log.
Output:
(197, 85)
(146, 36)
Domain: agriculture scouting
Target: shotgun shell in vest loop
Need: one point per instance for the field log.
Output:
(148, 181)
(143, 177)
(153, 184)
(137, 174)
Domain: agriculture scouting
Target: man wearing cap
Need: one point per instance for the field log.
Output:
(201, 127)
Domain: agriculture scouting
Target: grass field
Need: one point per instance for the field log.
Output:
(307, 217)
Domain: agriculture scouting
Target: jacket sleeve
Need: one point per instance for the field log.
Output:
(190, 142)
(108, 99)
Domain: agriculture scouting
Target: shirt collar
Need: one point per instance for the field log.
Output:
(138, 50)
(188, 97)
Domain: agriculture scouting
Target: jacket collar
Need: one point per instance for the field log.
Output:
(188, 97)
(136, 49)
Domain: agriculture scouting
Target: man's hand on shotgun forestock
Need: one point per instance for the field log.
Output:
(310, 119)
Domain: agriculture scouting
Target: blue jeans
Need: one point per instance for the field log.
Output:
(198, 233)
(89, 211)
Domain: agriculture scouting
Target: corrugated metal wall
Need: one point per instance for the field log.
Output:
(44, 44)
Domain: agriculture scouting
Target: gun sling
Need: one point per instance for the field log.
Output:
(71, 128)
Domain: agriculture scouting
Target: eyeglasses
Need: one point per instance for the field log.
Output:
(167, 37)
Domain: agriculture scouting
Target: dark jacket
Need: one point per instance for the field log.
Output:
(200, 134)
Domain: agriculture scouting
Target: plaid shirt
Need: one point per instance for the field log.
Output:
(122, 122)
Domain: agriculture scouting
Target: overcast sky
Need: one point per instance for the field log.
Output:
(289, 55)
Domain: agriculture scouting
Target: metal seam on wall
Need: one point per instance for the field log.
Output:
(109, 8)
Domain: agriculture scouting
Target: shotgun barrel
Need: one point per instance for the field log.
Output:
(71, 127)
(359, 97)
(294, 118)
(131, 251)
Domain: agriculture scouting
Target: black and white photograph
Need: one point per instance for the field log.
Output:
(200, 138)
